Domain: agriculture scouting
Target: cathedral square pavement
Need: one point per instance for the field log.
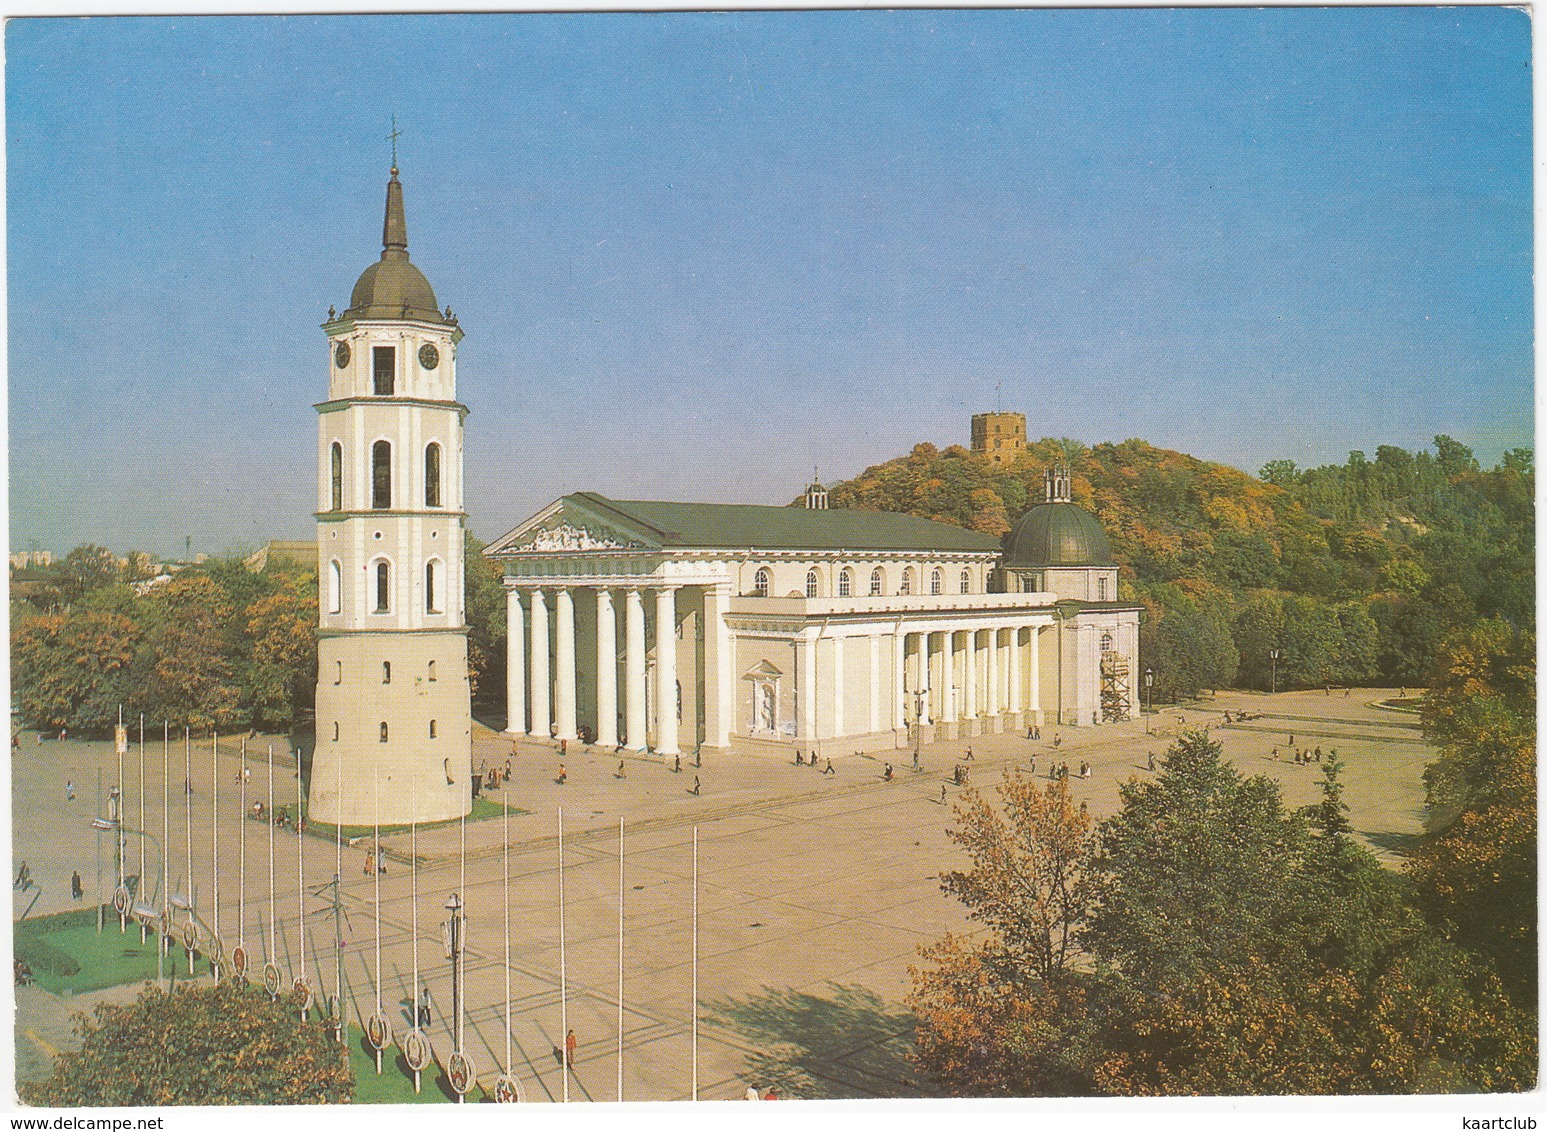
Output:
(815, 891)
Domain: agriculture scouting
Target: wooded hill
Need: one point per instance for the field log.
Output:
(1354, 571)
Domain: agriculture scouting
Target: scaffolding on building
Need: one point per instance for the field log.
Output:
(1114, 688)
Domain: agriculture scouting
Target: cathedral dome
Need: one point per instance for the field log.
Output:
(392, 287)
(1057, 534)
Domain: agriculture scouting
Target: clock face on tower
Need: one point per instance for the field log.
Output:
(429, 356)
(341, 355)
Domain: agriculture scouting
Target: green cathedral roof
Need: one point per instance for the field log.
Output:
(743, 526)
(1057, 534)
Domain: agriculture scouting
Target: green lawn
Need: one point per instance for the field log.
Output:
(68, 956)
(483, 809)
(396, 1083)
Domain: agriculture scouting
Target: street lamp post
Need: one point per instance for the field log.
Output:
(454, 945)
(1273, 656)
(1149, 697)
(919, 695)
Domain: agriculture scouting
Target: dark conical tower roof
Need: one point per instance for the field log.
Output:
(392, 287)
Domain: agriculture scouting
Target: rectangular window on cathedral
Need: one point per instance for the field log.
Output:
(384, 363)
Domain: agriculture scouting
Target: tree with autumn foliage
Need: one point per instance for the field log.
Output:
(199, 1045)
(1477, 872)
(1214, 942)
(995, 1014)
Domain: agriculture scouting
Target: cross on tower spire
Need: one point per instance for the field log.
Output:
(393, 137)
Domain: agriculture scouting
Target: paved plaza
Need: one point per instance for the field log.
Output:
(815, 890)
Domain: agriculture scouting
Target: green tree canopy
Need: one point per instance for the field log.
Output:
(200, 1045)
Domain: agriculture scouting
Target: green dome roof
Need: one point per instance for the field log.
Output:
(392, 287)
(1057, 534)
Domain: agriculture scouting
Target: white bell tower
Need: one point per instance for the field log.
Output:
(393, 699)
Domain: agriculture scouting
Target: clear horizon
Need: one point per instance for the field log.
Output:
(697, 254)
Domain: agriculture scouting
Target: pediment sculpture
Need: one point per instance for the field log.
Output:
(567, 538)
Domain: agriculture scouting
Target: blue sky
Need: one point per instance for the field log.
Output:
(697, 254)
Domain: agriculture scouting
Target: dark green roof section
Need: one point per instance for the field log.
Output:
(720, 526)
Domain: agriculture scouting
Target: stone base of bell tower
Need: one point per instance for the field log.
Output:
(394, 728)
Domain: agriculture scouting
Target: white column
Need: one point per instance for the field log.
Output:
(934, 679)
(541, 721)
(666, 671)
(970, 675)
(948, 674)
(994, 704)
(1016, 699)
(606, 670)
(515, 664)
(1034, 662)
(899, 680)
(564, 663)
(838, 728)
(634, 670)
(719, 684)
(805, 690)
(875, 682)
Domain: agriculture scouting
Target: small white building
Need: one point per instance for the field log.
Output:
(810, 629)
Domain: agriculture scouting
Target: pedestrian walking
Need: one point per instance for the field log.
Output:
(676, 767)
(569, 1049)
(621, 772)
(800, 759)
(887, 775)
(753, 1094)
(829, 769)
(942, 793)
(424, 1008)
(1058, 741)
(695, 786)
(381, 861)
(969, 754)
(69, 790)
(1152, 760)
(23, 877)
(76, 891)
(370, 863)
(1033, 769)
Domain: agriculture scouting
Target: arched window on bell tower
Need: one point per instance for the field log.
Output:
(381, 475)
(336, 459)
(432, 475)
(383, 587)
(335, 587)
(431, 595)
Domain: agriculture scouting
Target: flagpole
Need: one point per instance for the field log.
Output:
(163, 947)
(214, 862)
(118, 784)
(300, 886)
(505, 885)
(563, 970)
(188, 827)
(141, 889)
(619, 959)
(273, 899)
(376, 878)
(241, 877)
(695, 962)
(413, 849)
(338, 897)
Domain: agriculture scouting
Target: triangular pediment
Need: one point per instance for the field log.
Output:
(762, 670)
(567, 526)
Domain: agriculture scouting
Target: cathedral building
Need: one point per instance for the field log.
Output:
(663, 626)
(394, 724)
(766, 630)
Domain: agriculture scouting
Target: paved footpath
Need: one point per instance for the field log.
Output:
(815, 891)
